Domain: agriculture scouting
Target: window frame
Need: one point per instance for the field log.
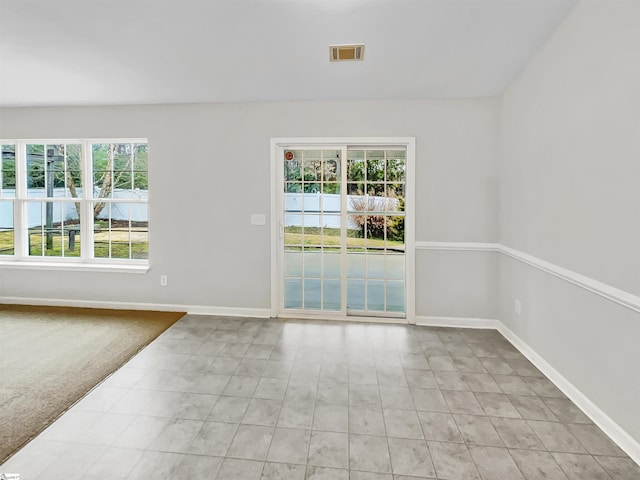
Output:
(86, 260)
(277, 145)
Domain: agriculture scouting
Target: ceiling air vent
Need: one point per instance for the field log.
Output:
(346, 53)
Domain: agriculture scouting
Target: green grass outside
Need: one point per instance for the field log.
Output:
(118, 250)
(6, 243)
(313, 236)
(101, 249)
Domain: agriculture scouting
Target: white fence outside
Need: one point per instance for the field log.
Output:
(327, 203)
(137, 212)
(295, 204)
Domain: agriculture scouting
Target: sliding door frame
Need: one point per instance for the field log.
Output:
(277, 179)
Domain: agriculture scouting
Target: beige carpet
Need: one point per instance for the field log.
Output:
(51, 356)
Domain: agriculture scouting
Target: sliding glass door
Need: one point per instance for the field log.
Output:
(342, 230)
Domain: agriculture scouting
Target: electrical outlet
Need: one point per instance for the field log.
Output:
(518, 307)
(163, 280)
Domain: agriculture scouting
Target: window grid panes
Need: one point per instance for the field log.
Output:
(54, 229)
(315, 218)
(121, 231)
(312, 229)
(375, 229)
(63, 216)
(7, 194)
(119, 194)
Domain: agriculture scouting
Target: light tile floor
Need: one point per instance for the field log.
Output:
(247, 399)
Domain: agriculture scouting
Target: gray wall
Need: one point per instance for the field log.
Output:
(217, 150)
(460, 283)
(570, 195)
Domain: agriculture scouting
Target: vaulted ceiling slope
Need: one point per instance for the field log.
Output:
(102, 52)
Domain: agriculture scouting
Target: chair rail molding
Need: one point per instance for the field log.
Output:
(459, 246)
(602, 289)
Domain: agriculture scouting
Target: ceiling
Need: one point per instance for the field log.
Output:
(104, 52)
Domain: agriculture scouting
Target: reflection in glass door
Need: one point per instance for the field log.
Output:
(343, 230)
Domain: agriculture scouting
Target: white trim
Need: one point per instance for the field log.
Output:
(72, 266)
(457, 322)
(349, 141)
(227, 311)
(21, 257)
(275, 230)
(276, 146)
(459, 246)
(609, 292)
(619, 436)
(325, 316)
(344, 220)
(162, 307)
(625, 441)
(75, 141)
(410, 232)
(602, 289)
(87, 246)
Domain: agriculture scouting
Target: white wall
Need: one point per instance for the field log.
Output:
(218, 150)
(570, 195)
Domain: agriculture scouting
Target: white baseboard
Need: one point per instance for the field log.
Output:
(625, 441)
(229, 311)
(324, 317)
(162, 307)
(458, 322)
(600, 418)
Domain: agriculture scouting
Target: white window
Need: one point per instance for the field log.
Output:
(75, 201)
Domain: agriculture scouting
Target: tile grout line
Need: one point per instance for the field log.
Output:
(275, 426)
(397, 350)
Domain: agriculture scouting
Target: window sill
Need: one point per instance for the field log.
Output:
(74, 266)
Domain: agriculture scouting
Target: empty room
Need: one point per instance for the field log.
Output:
(320, 239)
